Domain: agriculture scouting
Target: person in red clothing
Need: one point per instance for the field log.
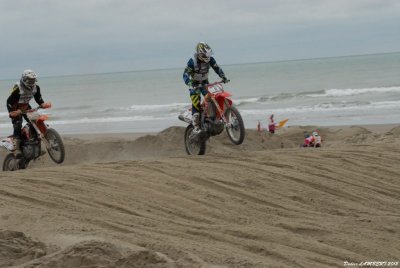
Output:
(314, 140)
(271, 124)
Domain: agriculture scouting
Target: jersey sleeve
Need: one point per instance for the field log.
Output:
(38, 96)
(13, 99)
(188, 72)
(216, 68)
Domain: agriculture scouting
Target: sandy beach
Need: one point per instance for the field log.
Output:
(137, 200)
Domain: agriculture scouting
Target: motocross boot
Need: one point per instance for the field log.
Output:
(196, 123)
(17, 147)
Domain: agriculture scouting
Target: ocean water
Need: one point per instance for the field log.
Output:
(329, 91)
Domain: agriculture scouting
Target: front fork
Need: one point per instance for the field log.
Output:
(41, 129)
(221, 112)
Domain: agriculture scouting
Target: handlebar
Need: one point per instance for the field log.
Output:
(31, 110)
(212, 84)
(25, 112)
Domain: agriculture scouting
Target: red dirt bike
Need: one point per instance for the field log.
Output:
(34, 133)
(217, 113)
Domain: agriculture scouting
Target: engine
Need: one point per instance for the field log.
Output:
(30, 149)
(28, 132)
(214, 127)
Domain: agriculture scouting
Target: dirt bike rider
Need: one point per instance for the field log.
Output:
(196, 74)
(18, 102)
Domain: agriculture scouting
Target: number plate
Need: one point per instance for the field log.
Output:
(216, 89)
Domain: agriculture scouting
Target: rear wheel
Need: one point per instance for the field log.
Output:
(235, 130)
(194, 144)
(56, 146)
(10, 163)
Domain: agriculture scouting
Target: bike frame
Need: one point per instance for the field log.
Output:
(219, 100)
(39, 125)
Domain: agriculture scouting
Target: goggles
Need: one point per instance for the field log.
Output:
(30, 81)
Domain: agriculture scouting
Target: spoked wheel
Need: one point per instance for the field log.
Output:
(235, 130)
(194, 144)
(10, 163)
(56, 146)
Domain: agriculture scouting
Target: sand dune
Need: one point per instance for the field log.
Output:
(127, 202)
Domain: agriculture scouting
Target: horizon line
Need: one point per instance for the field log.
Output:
(230, 64)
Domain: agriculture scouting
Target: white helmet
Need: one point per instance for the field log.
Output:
(203, 52)
(29, 79)
(315, 134)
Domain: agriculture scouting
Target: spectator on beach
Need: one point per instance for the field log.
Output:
(196, 74)
(313, 140)
(271, 124)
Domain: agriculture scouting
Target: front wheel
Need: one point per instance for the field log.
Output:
(56, 146)
(194, 144)
(235, 129)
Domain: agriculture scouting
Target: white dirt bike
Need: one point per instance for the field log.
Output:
(34, 133)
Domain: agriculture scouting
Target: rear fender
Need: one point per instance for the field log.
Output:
(7, 143)
(186, 115)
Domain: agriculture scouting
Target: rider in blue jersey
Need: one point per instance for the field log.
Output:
(196, 74)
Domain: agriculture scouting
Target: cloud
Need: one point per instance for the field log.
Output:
(68, 36)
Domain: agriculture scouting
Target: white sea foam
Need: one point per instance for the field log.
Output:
(326, 108)
(149, 108)
(317, 94)
(246, 100)
(354, 91)
(110, 119)
(157, 107)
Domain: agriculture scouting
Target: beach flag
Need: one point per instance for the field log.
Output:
(282, 123)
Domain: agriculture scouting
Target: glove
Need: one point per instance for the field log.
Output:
(225, 80)
(190, 83)
(15, 113)
(46, 105)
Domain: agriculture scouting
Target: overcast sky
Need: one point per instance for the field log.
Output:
(56, 37)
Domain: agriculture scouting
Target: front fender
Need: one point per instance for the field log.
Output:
(224, 94)
(223, 99)
(42, 126)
